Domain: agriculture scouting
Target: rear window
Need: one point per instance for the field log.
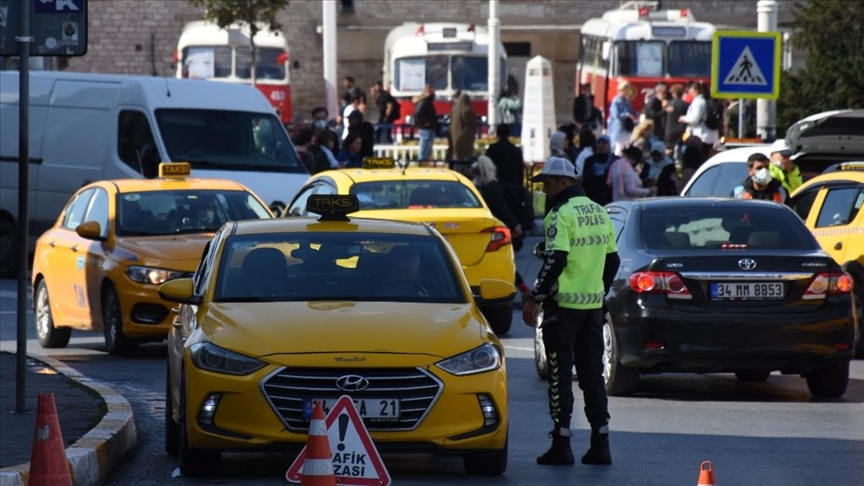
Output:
(766, 227)
(414, 194)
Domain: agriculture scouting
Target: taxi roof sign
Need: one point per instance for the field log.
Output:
(333, 207)
(172, 170)
(379, 163)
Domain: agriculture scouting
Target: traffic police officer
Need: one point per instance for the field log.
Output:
(581, 261)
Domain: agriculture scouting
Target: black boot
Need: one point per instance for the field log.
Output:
(560, 453)
(599, 453)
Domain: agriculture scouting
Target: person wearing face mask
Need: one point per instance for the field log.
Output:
(782, 168)
(760, 184)
(658, 171)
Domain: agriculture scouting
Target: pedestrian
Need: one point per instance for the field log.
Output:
(507, 157)
(463, 129)
(624, 179)
(782, 168)
(323, 148)
(352, 106)
(302, 143)
(569, 130)
(510, 110)
(675, 109)
(584, 111)
(596, 170)
(558, 145)
(389, 112)
(759, 183)
(619, 112)
(659, 170)
(581, 261)
(357, 124)
(352, 91)
(349, 156)
(642, 137)
(655, 109)
(426, 120)
(587, 147)
(513, 214)
(695, 118)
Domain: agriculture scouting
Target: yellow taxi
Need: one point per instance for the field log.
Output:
(286, 312)
(831, 206)
(99, 266)
(442, 198)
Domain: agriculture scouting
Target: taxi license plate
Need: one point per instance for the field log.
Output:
(375, 409)
(747, 290)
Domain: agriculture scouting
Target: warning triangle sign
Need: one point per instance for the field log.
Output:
(354, 456)
(745, 71)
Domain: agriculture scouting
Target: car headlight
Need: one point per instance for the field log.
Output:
(149, 275)
(485, 358)
(210, 357)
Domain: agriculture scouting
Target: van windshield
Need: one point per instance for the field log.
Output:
(227, 140)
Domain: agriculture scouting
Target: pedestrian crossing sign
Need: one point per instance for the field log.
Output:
(746, 65)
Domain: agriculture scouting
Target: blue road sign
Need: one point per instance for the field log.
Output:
(59, 6)
(746, 65)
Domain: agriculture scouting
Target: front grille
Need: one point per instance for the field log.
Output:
(416, 389)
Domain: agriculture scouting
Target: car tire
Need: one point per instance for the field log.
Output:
(8, 251)
(194, 463)
(830, 381)
(48, 335)
(541, 363)
(172, 430)
(499, 316)
(116, 343)
(486, 463)
(620, 380)
(858, 304)
(752, 376)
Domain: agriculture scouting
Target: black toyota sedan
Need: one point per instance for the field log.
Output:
(717, 285)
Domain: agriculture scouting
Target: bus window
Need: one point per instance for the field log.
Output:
(690, 59)
(470, 73)
(432, 69)
(268, 66)
(634, 58)
(206, 62)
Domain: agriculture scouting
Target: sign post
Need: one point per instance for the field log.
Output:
(58, 28)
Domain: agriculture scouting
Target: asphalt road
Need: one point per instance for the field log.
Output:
(770, 433)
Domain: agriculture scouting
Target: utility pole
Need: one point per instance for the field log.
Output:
(766, 109)
(330, 81)
(494, 65)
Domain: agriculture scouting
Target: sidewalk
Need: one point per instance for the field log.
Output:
(96, 422)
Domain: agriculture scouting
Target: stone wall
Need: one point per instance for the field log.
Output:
(140, 36)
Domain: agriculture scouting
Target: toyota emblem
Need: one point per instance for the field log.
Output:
(747, 264)
(352, 383)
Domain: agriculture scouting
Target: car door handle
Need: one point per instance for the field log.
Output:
(839, 245)
(74, 248)
(52, 244)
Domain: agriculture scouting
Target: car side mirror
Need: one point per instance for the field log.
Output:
(540, 250)
(91, 230)
(180, 290)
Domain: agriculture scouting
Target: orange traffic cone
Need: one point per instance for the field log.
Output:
(706, 474)
(317, 466)
(48, 466)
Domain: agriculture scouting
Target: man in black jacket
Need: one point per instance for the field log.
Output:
(426, 120)
(356, 123)
(507, 157)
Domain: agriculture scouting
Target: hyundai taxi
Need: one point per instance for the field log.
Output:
(440, 197)
(99, 266)
(286, 312)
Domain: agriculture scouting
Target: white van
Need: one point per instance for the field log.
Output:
(86, 127)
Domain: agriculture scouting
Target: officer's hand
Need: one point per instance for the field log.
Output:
(529, 312)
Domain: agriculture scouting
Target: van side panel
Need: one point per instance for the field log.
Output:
(79, 139)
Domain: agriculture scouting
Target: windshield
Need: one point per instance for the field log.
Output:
(408, 194)
(160, 213)
(470, 73)
(766, 227)
(315, 266)
(413, 73)
(267, 67)
(640, 58)
(227, 140)
(206, 62)
(690, 59)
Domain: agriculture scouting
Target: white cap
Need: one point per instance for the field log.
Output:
(781, 146)
(556, 167)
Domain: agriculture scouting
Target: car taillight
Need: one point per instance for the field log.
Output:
(828, 283)
(500, 238)
(669, 283)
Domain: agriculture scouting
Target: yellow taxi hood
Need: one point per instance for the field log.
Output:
(271, 328)
(175, 248)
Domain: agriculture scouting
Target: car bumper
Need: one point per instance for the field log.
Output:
(145, 315)
(670, 340)
(246, 420)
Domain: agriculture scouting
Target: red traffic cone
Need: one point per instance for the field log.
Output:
(317, 465)
(706, 474)
(48, 465)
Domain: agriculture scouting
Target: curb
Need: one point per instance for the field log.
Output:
(93, 456)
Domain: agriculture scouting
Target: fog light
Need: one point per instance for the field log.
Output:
(208, 409)
(487, 406)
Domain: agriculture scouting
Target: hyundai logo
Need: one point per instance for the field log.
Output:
(352, 383)
(747, 264)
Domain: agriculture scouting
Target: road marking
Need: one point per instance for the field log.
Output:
(518, 348)
(14, 312)
(8, 294)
